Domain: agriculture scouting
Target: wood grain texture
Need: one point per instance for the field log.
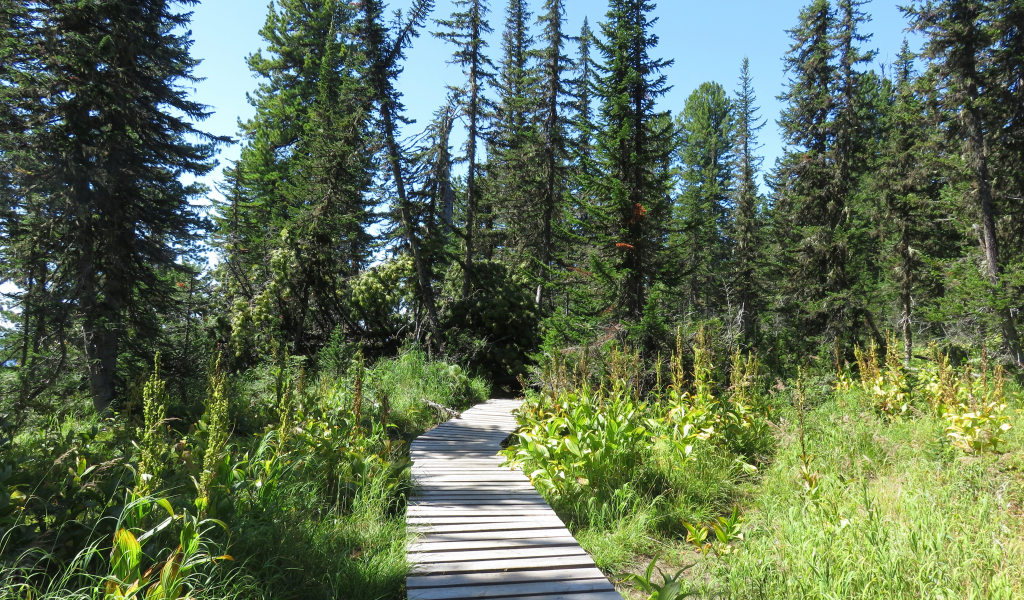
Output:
(480, 530)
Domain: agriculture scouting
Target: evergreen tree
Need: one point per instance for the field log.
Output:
(582, 87)
(553, 130)
(856, 129)
(633, 145)
(906, 182)
(810, 217)
(706, 129)
(466, 29)
(514, 159)
(385, 52)
(104, 143)
(304, 174)
(575, 253)
(959, 44)
(1008, 149)
(746, 226)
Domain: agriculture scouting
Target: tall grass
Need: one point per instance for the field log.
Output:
(901, 514)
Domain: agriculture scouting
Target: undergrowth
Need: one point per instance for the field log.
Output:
(874, 480)
(291, 484)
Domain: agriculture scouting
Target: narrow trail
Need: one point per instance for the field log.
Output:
(482, 530)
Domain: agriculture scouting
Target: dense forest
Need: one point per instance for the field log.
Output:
(362, 276)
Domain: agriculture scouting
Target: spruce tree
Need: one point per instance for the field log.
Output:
(746, 226)
(906, 184)
(633, 144)
(553, 64)
(304, 175)
(104, 144)
(466, 29)
(959, 44)
(809, 216)
(514, 158)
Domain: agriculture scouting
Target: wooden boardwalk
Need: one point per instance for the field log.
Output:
(483, 531)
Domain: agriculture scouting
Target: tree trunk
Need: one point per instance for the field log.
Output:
(977, 157)
(422, 268)
(474, 93)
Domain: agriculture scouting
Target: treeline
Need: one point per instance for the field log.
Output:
(578, 209)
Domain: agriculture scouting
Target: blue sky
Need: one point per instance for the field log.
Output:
(707, 40)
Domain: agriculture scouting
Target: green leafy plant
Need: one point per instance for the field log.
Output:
(165, 579)
(589, 444)
(670, 588)
(973, 405)
(886, 383)
(152, 446)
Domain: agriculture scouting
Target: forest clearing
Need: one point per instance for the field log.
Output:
(565, 340)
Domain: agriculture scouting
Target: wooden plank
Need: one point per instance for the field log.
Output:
(493, 544)
(484, 555)
(498, 524)
(440, 483)
(508, 564)
(432, 536)
(432, 493)
(464, 579)
(513, 589)
(493, 502)
(541, 520)
(434, 512)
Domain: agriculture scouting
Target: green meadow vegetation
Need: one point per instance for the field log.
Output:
(291, 484)
(703, 478)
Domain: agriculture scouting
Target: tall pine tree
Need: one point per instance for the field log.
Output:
(706, 129)
(302, 180)
(632, 144)
(466, 29)
(104, 144)
(959, 44)
(747, 218)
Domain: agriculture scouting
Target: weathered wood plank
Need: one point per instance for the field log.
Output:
(432, 546)
(464, 579)
(487, 520)
(498, 524)
(512, 589)
(508, 564)
(469, 555)
(490, 534)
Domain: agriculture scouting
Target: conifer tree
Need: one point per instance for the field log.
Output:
(582, 87)
(809, 216)
(959, 44)
(633, 145)
(304, 175)
(706, 129)
(905, 180)
(103, 145)
(553, 63)
(746, 226)
(385, 52)
(577, 250)
(466, 29)
(514, 159)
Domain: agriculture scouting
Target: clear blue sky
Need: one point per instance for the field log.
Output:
(707, 40)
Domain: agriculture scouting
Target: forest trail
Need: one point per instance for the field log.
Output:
(482, 530)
